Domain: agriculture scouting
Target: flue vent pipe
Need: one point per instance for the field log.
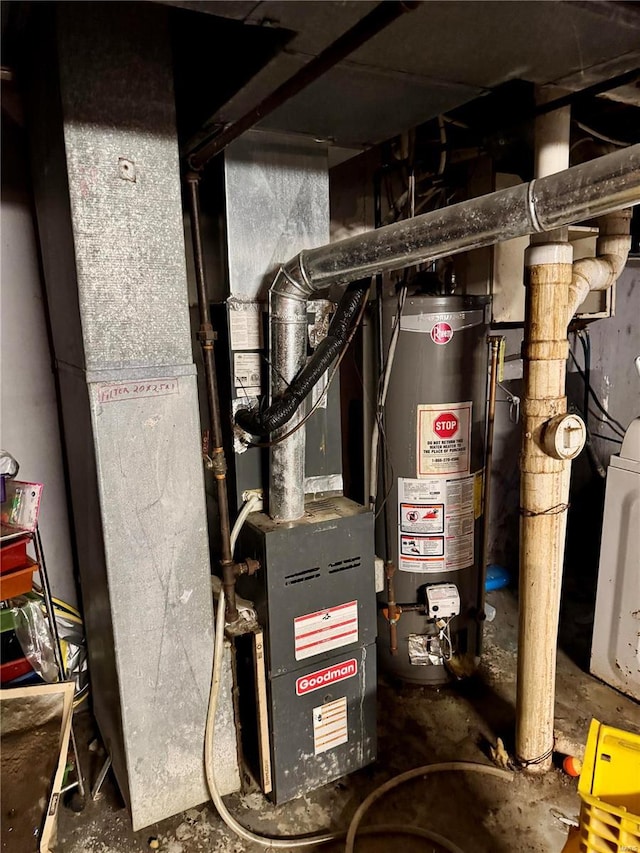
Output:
(589, 190)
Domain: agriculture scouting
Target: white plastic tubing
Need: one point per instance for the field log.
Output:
(322, 838)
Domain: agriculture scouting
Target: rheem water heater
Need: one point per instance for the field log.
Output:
(429, 528)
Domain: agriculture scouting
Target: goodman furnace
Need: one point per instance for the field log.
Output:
(313, 666)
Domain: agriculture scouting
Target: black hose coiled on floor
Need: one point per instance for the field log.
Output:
(280, 412)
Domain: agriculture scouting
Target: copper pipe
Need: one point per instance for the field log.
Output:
(217, 461)
(494, 341)
(393, 611)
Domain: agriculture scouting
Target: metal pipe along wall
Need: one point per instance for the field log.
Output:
(592, 189)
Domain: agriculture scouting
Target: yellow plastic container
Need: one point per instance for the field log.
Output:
(609, 788)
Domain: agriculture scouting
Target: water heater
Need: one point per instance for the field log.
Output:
(429, 529)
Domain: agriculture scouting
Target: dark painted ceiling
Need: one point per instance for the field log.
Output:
(432, 60)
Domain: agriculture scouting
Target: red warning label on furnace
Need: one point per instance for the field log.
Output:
(325, 630)
(443, 439)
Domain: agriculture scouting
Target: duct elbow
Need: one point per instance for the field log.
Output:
(292, 281)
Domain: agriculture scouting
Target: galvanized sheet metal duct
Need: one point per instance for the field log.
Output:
(107, 188)
(592, 189)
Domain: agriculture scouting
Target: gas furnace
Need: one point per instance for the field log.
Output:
(315, 599)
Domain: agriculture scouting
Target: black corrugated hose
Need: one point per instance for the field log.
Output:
(281, 410)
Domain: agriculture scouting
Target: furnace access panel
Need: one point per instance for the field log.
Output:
(315, 597)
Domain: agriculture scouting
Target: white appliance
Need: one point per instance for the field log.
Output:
(615, 651)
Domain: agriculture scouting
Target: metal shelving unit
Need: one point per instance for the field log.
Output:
(78, 785)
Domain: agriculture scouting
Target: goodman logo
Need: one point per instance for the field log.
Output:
(323, 677)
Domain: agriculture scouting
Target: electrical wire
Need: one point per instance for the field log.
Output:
(594, 459)
(594, 396)
(585, 340)
(383, 387)
(443, 143)
(607, 438)
(445, 634)
(600, 419)
(248, 507)
(602, 136)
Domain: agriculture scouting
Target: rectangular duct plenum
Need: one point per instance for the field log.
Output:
(107, 185)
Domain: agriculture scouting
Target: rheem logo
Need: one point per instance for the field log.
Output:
(446, 425)
(441, 333)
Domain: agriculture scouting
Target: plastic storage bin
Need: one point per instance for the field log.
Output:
(13, 555)
(609, 788)
(17, 582)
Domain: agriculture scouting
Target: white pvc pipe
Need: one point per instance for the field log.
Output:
(552, 133)
(601, 272)
(544, 482)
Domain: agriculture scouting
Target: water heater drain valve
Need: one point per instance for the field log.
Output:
(443, 601)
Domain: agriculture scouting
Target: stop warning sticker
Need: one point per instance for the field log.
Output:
(443, 439)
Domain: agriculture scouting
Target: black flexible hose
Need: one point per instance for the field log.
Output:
(281, 410)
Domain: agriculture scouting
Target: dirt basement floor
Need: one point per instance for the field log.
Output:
(416, 726)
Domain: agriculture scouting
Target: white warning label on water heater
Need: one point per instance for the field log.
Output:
(422, 518)
(436, 524)
(330, 725)
(325, 630)
(443, 439)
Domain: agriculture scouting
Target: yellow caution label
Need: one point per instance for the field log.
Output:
(501, 350)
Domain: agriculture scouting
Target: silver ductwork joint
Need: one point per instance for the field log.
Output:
(589, 190)
(288, 352)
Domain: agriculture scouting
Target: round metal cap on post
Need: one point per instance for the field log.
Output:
(564, 436)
